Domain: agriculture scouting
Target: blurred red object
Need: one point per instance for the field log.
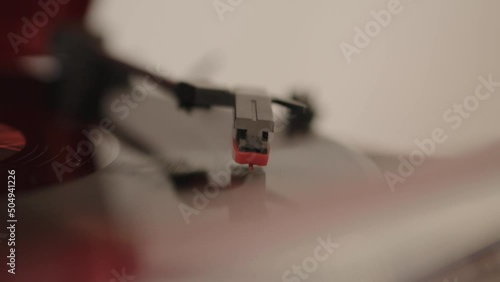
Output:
(27, 29)
(27, 26)
(11, 139)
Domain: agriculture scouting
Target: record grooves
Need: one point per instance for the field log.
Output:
(50, 156)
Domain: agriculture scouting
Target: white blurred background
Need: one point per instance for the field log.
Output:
(395, 91)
